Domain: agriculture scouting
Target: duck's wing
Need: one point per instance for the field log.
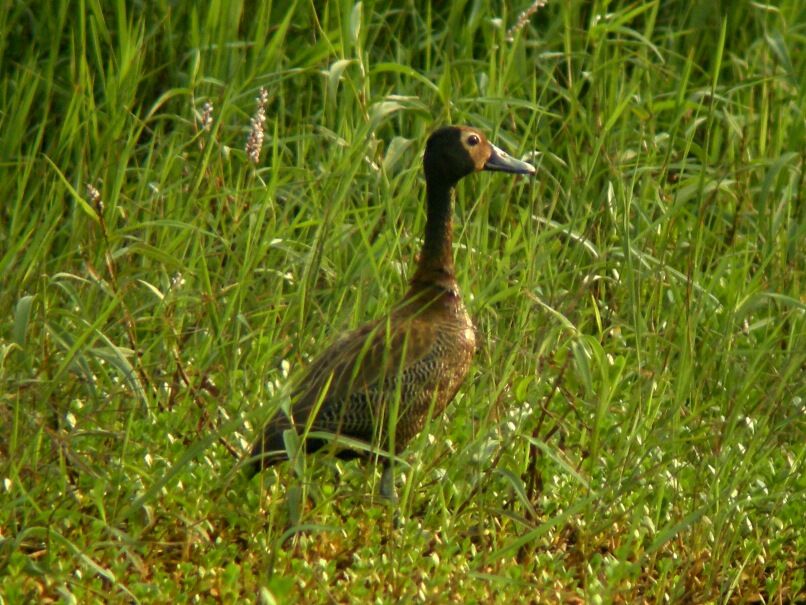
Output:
(348, 387)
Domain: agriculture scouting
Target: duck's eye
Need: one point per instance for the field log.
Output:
(473, 140)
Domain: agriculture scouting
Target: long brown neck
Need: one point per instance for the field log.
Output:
(436, 257)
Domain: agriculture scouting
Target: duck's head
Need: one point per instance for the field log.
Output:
(453, 152)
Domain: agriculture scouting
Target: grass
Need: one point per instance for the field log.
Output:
(633, 428)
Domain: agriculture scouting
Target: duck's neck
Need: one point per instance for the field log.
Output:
(436, 257)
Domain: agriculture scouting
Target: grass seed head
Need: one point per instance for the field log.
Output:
(254, 143)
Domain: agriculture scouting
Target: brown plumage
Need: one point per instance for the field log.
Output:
(415, 358)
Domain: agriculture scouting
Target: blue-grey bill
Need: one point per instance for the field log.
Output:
(501, 162)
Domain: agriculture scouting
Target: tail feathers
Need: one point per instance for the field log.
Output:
(269, 450)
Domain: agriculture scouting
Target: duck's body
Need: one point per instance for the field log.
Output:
(405, 368)
(419, 354)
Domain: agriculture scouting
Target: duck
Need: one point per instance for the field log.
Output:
(381, 383)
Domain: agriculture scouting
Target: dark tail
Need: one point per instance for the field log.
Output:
(268, 450)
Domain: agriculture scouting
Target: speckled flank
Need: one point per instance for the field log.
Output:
(424, 387)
